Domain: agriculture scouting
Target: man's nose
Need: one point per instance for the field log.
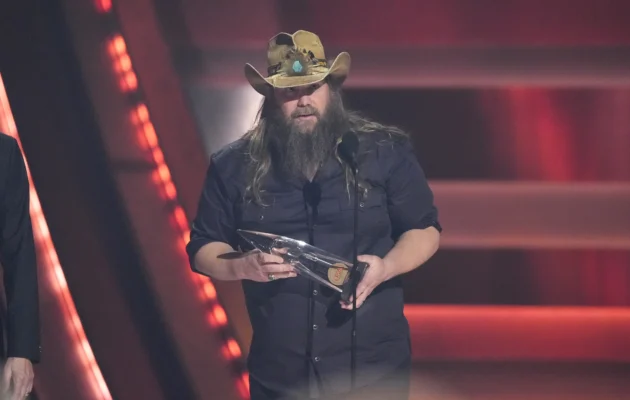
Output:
(304, 100)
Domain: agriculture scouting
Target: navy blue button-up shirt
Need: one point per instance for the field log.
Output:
(398, 199)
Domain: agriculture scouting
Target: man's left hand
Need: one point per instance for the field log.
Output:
(376, 273)
(17, 378)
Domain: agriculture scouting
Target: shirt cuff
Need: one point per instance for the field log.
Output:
(25, 350)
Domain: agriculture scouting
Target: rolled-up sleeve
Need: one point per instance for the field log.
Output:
(410, 199)
(214, 221)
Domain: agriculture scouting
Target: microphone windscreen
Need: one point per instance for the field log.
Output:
(349, 147)
(312, 193)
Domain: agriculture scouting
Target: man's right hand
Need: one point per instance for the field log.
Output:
(263, 267)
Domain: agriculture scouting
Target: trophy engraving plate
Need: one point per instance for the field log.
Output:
(337, 274)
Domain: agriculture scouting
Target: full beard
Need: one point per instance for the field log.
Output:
(299, 150)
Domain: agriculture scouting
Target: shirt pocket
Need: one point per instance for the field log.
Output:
(371, 200)
(373, 212)
(278, 217)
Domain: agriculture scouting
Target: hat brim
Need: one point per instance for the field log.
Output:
(338, 70)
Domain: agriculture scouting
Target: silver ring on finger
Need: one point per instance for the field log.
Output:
(271, 277)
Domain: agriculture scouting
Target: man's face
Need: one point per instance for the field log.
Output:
(303, 106)
(304, 124)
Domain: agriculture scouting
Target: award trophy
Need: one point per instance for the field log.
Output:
(309, 261)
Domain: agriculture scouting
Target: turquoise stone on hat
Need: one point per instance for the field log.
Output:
(297, 66)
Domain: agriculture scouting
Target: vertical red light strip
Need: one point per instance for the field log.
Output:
(117, 50)
(54, 276)
(147, 140)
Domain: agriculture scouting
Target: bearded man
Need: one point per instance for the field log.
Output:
(301, 331)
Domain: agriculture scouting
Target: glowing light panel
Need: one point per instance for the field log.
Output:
(146, 139)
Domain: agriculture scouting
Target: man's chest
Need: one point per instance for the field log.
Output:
(291, 211)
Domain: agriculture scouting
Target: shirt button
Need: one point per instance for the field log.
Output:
(316, 359)
(315, 292)
(315, 327)
(261, 217)
(361, 204)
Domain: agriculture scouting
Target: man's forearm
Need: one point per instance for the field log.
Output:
(412, 250)
(207, 263)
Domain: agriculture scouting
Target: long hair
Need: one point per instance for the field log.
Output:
(258, 143)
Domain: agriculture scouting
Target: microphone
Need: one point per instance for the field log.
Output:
(348, 150)
(312, 193)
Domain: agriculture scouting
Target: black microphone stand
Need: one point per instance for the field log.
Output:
(348, 149)
(312, 196)
(355, 263)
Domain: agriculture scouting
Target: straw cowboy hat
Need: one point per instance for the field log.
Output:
(296, 59)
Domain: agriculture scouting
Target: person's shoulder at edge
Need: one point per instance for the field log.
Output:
(8, 148)
(7, 140)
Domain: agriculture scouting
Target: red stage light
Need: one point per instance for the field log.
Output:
(103, 6)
